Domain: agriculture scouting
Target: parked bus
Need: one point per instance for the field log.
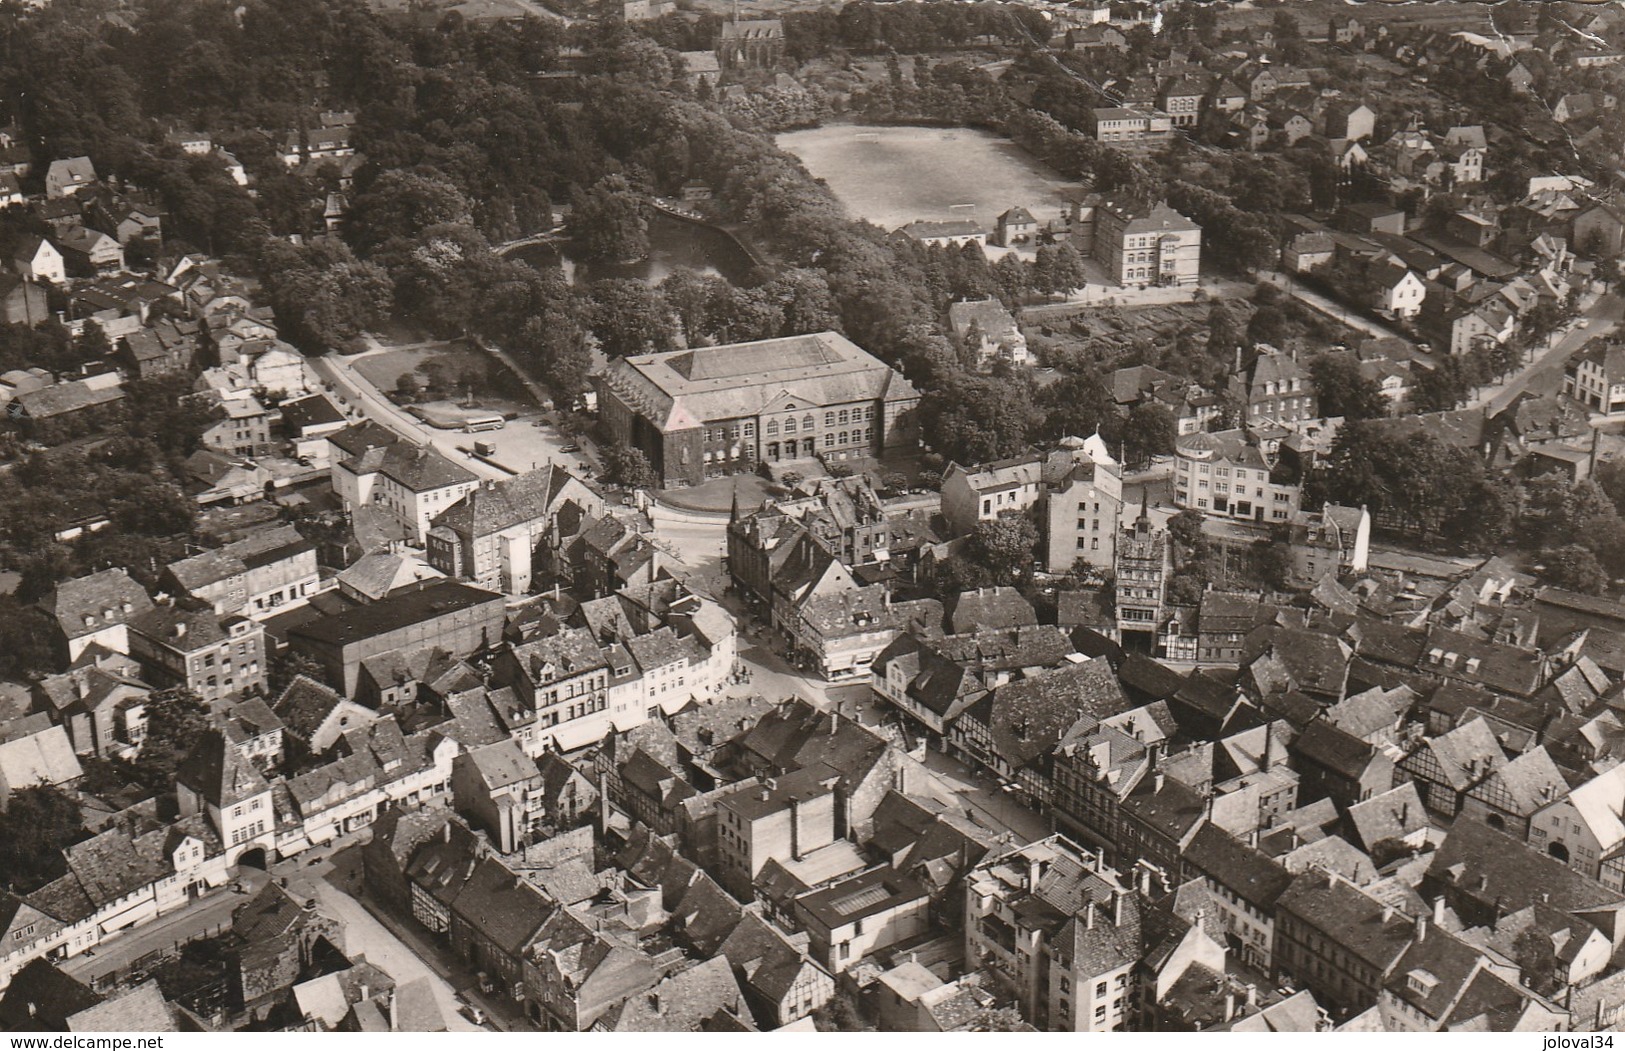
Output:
(490, 422)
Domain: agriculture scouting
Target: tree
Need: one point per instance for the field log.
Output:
(404, 204)
(1342, 390)
(627, 465)
(1186, 528)
(37, 823)
(282, 669)
(628, 317)
(1004, 546)
(176, 719)
(608, 224)
(973, 419)
(1148, 431)
(1575, 568)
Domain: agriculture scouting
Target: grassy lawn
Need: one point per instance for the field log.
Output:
(462, 366)
(892, 176)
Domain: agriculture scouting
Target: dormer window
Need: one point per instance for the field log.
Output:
(1473, 664)
(1435, 656)
(1420, 982)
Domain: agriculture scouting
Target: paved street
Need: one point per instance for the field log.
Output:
(525, 444)
(1544, 373)
(365, 935)
(202, 916)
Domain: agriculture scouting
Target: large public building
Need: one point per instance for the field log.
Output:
(712, 411)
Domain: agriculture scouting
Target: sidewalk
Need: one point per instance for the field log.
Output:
(200, 917)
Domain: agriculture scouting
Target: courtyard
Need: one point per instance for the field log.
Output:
(892, 176)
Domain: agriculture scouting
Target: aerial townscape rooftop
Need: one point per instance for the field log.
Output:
(839, 517)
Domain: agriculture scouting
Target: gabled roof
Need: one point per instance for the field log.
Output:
(216, 772)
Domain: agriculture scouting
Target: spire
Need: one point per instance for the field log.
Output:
(1142, 524)
(733, 515)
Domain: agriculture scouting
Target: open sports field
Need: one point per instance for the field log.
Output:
(893, 176)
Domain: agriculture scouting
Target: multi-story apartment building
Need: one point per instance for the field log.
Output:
(261, 572)
(1272, 388)
(1058, 930)
(1076, 489)
(1224, 473)
(1337, 941)
(1141, 245)
(213, 656)
(412, 483)
(782, 818)
(563, 683)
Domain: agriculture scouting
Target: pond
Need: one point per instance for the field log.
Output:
(673, 243)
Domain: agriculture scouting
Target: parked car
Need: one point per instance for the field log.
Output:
(473, 1013)
(570, 448)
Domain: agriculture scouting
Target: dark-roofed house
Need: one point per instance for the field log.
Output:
(41, 997)
(1337, 941)
(489, 536)
(460, 619)
(716, 410)
(97, 609)
(1245, 883)
(1334, 764)
(1012, 731)
(499, 787)
(780, 983)
(703, 997)
(215, 657)
(411, 483)
(1483, 874)
(1445, 768)
(214, 780)
(848, 920)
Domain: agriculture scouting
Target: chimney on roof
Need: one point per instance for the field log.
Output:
(1089, 916)
(394, 1014)
(1438, 911)
(1119, 896)
(1421, 927)
(1229, 1004)
(1158, 781)
(1252, 995)
(366, 991)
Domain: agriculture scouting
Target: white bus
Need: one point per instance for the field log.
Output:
(489, 422)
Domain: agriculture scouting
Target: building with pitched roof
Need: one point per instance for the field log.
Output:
(490, 535)
(1059, 931)
(1226, 473)
(97, 609)
(1334, 540)
(1337, 941)
(213, 656)
(1144, 245)
(411, 483)
(999, 338)
(215, 781)
(1595, 376)
(717, 410)
(260, 572)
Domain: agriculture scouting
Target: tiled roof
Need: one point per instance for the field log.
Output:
(686, 388)
(138, 1010)
(87, 604)
(215, 770)
(1246, 871)
(1496, 869)
(684, 1002)
(1028, 717)
(1360, 924)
